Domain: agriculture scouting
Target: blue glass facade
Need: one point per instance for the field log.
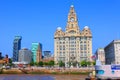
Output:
(16, 47)
(34, 49)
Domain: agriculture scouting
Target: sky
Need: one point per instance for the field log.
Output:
(37, 21)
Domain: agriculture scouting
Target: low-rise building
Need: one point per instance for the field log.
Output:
(48, 59)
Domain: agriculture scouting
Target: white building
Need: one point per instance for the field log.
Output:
(72, 45)
(112, 52)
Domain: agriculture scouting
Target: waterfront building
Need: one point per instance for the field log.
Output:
(100, 55)
(112, 52)
(72, 45)
(16, 47)
(47, 54)
(25, 55)
(36, 52)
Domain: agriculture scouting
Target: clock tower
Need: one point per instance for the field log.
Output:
(72, 46)
(72, 23)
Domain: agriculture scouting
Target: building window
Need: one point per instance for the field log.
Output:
(85, 47)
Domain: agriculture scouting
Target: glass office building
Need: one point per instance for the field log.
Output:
(16, 47)
(36, 52)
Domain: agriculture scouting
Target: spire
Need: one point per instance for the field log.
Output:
(72, 23)
(72, 13)
(72, 9)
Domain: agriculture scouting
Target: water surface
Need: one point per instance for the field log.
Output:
(42, 77)
(26, 77)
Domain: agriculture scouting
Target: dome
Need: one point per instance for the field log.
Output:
(72, 5)
(59, 28)
(86, 27)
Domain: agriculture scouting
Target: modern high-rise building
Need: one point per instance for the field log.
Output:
(25, 55)
(112, 52)
(47, 54)
(72, 45)
(100, 55)
(36, 52)
(16, 47)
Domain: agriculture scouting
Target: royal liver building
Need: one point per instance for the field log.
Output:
(72, 45)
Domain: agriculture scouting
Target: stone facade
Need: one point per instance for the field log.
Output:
(39, 53)
(112, 52)
(72, 45)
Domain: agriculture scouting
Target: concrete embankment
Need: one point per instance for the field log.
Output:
(47, 71)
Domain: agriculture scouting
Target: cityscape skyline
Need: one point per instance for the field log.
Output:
(36, 22)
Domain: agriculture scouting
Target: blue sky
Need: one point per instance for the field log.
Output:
(37, 20)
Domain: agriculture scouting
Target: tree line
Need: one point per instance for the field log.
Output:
(41, 63)
(51, 63)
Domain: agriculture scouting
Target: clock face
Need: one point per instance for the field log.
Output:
(72, 19)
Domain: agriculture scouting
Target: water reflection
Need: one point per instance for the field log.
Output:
(42, 77)
(24, 77)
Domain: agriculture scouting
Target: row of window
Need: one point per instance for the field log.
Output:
(72, 52)
(73, 48)
(72, 45)
(72, 58)
(63, 42)
(73, 38)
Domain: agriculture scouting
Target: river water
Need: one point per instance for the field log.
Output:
(42, 77)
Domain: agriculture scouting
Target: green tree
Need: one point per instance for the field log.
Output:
(61, 64)
(88, 63)
(35, 64)
(31, 63)
(93, 63)
(40, 64)
(45, 63)
(83, 63)
(10, 62)
(51, 63)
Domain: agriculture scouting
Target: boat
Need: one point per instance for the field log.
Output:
(107, 72)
